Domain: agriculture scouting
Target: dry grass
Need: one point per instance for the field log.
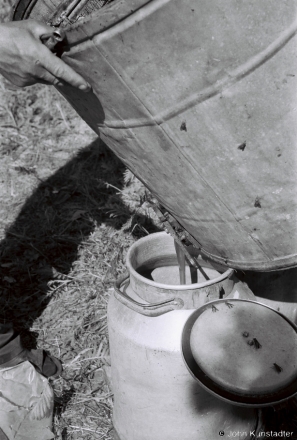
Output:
(53, 226)
(64, 230)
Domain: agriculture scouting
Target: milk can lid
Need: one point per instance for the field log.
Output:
(242, 351)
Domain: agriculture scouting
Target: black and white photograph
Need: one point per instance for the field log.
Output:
(148, 219)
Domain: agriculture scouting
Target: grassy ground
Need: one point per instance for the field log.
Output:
(65, 226)
(64, 234)
(60, 248)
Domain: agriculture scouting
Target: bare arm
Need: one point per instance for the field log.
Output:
(24, 60)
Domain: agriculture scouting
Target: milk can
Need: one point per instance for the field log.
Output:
(155, 397)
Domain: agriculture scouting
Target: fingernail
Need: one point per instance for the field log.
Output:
(85, 87)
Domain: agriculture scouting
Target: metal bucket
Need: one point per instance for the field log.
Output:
(199, 100)
(155, 397)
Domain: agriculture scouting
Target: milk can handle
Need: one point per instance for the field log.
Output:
(151, 310)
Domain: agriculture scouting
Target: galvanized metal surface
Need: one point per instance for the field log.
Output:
(198, 98)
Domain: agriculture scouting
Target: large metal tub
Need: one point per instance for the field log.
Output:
(198, 98)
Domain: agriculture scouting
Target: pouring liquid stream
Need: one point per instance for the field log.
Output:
(181, 259)
(175, 269)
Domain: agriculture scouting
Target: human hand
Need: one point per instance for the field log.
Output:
(25, 60)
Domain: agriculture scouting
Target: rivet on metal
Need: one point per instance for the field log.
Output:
(257, 203)
(242, 146)
(183, 126)
(277, 368)
(257, 343)
(229, 305)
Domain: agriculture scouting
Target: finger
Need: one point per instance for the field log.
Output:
(61, 71)
(37, 28)
(45, 77)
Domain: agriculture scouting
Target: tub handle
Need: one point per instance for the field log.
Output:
(155, 309)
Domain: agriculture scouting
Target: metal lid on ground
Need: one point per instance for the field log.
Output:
(242, 351)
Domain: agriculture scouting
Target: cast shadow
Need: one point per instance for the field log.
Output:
(52, 224)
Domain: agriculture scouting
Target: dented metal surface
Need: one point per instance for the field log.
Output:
(199, 100)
